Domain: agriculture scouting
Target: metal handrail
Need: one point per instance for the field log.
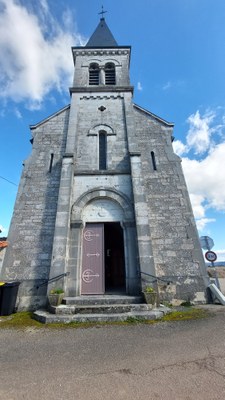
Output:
(156, 278)
(55, 278)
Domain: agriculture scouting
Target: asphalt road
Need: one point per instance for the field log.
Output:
(178, 360)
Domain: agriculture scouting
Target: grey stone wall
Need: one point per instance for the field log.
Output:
(120, 183)
(175, 244)
(112, 122)
(32, 227)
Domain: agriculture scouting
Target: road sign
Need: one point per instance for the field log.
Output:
(207, 243)
(210, 256)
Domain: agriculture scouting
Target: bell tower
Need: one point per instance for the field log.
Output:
(101, 83)
(99, 170)
(101, 65)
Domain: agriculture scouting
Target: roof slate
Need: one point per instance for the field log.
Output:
(102, 36)
(156, 117)
(3, 244)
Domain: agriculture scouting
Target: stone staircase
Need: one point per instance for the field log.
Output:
(104, 308)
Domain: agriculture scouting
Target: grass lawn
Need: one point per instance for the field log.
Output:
(23, 320)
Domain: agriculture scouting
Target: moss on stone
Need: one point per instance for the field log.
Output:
(19, 320)
(186, 314)
(24, 320)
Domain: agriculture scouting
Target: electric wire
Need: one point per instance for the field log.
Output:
(8, 181)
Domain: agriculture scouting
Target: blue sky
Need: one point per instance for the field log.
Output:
(177, 69)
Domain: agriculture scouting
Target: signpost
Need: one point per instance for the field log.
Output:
(210, 256)
(207, 243)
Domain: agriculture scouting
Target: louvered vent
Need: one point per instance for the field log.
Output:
(94, 74)
(110, 74)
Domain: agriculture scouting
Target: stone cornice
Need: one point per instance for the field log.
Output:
(99, 172)
(77, 51)
(104, 51)
(101, 89)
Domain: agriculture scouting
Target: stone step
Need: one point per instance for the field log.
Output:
(98, 308)
(47, 317)
(102, 299)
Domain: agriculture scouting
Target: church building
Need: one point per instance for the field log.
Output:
(102, 205)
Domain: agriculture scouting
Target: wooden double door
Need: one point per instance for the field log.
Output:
(103, 266)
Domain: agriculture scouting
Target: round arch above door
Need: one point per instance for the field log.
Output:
(102, 210)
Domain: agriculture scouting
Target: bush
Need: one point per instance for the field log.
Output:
(56, 291)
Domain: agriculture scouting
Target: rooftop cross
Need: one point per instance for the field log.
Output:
(102, 12)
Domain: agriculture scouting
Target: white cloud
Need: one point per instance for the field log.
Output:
(36, 51)
(179, 148)
(167, 86)
(220, 255)
(205, 176)
(197, 201)
(199, 133)
(177, 85)
(202, 222)
(139, 86)
(17, 113)
(44, 5)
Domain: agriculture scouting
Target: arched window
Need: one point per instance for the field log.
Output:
(102, 150)
(94, 74)
(110, 74)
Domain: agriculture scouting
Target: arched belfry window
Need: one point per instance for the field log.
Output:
(94, 74)
(102, 150)
(110, 74)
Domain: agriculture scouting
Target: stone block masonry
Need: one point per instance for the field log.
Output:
(32, 227)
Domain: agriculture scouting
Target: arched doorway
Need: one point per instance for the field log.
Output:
(112, 211)
(103, 259)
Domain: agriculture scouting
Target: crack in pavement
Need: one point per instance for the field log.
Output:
(207, 363)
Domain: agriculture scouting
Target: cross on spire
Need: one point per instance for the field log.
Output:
(102, 12)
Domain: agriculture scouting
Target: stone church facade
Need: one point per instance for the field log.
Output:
(102, 205)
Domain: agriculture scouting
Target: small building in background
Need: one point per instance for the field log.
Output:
(3, 246)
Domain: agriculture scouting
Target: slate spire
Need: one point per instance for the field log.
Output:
(102, 36)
